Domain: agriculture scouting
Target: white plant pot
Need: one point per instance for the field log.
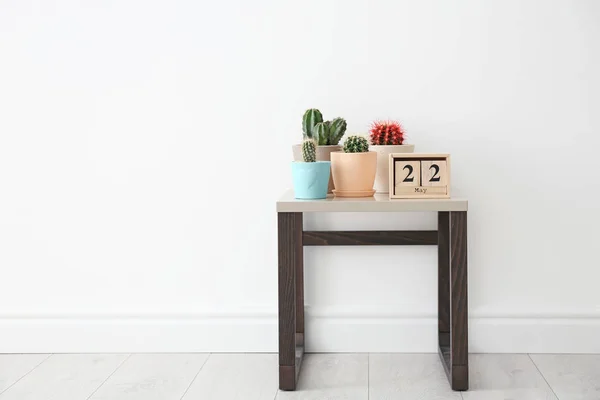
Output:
(323, 154)
(382, 183)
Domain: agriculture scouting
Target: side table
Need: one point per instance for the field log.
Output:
(450, 238)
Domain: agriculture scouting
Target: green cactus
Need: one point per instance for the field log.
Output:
(309, 120)
(337, 130)
(321, 133)
(324, 132)
(356, 144)
(309, 150)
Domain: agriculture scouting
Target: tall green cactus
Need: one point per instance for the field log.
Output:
(309, 150)
(309, 120)
(356, 144)
(321, 133)
(325, 133)
(337, 130)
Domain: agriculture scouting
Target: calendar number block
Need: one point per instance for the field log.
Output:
(434, 173)
(419, 176)
(408, 173)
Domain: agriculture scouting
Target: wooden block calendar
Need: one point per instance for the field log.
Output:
(419, 176)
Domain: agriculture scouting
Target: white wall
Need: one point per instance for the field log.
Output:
(131, 133)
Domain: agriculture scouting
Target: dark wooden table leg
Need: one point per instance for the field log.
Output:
(289, 267)
(459, 305)
(453, 298)
(299, 267)
(444, 287)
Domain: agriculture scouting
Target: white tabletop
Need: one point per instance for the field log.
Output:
(376, 203)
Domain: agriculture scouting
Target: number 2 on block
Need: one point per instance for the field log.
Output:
(435, 177)
(434, 173)
(409, 176)
(408, 173)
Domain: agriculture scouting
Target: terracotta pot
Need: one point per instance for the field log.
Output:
(382, 178)
(323, 154)
(353, 173)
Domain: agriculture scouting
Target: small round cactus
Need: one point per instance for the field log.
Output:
(387, 133)
(309, 150)
(356, 144)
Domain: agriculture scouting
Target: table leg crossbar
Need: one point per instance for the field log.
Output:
(451, 239)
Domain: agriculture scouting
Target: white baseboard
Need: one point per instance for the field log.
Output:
(369, 329)
(138, 335)
(486, 335)
(327, 331)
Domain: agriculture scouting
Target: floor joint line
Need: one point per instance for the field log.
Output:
(542, 375)
(195, 376)
(108, 377)
(27, 373)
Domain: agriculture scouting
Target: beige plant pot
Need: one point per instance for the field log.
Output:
(382, 182)
(353, 173)
(323, 154)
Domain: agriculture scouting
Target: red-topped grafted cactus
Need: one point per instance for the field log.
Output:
(386, 133)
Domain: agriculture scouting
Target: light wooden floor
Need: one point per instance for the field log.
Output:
(324, 376)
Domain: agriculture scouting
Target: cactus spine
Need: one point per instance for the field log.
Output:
(309, 150)
(356, 144)
(311, 118)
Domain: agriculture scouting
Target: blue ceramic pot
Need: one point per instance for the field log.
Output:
(311, 179)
